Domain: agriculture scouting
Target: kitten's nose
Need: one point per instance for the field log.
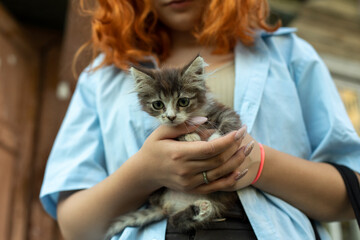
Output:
(171, 118)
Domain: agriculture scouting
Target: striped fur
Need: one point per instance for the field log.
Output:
(135, 219)
(184, 211)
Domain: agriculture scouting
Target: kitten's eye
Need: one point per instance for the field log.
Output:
(158, 105)
(183, 102)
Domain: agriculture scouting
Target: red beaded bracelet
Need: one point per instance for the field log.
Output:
(262, 159)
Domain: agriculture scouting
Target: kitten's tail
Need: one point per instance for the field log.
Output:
(135, 219)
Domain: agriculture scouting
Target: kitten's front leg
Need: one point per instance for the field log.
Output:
(190, 137)
(215, 135)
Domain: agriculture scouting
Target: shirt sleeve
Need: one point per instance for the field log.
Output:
(77, 158)
(330, 131)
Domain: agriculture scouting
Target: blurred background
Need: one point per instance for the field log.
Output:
(38, 40)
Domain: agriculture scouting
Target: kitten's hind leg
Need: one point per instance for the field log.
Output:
(138, 218)
(206, 210)
(199, 213)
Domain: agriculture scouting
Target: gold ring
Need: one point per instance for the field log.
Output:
(206, 180)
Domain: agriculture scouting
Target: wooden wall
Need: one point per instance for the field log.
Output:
(332, 27)
(19, 76)
(33, 64)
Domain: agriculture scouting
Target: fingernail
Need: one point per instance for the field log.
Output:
(248, 148)
(241, 132)
(197, 120)
(241, 174)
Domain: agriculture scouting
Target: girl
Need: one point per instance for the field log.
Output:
(107, 159)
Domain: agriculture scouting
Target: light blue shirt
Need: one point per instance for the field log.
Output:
(283, 92)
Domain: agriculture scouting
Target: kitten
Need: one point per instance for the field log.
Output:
(174, 96)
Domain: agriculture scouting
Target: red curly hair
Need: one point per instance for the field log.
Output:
(127, 31)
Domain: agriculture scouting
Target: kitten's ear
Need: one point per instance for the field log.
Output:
(140, 77)
(195, 68)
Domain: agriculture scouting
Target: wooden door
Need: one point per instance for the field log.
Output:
(19, 66)
(31, 111)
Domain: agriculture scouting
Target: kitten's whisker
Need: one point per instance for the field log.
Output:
(213, 125)
(190, 123)
(215, 128)
(205, 133)
(202, 129)
(187, 129)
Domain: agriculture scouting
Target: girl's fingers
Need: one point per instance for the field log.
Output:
(223, 171)
(219, 166)
(224, 183)
(234, 162)
(226, 176)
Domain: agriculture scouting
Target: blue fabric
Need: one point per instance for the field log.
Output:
(284, 94)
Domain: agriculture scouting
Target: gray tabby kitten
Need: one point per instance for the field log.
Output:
(174, 96)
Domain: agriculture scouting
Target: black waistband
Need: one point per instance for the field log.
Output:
(234, 224)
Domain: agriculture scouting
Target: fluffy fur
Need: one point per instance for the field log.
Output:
(173, 96)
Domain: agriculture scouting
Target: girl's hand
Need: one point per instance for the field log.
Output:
(242, 176)
(180, 165)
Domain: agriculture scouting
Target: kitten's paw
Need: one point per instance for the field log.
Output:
(197, 214)
(191, 137)
(215, 135)
(205, 210)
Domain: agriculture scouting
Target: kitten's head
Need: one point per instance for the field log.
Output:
(172, 95)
